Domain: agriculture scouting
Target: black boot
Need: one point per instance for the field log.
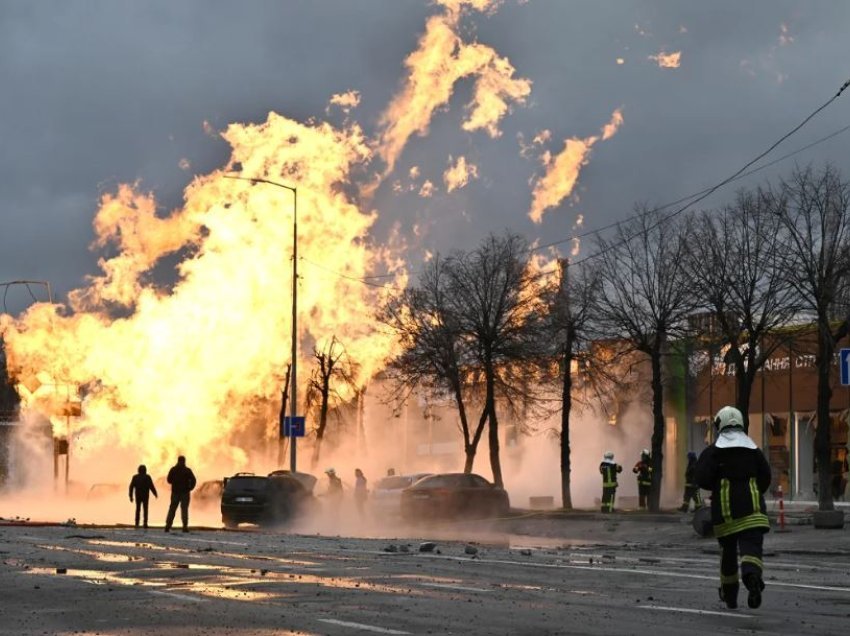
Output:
(754, 586)
(729, 595)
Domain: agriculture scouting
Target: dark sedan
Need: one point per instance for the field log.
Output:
(453, 495)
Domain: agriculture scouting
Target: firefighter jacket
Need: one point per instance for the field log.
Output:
(737, 477)
(644, 473)
(609, 472)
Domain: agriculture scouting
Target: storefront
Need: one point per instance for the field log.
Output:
(782, 409)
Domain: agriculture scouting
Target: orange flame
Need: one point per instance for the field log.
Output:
(563, 170)
(187, 368)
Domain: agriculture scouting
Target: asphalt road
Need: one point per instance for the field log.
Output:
(588, 577)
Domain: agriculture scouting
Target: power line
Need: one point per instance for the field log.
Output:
(725, 181)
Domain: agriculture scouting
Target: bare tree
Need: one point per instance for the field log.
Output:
(735, 268)
(432, 349)
(332, 371)
(644, 299)
(570, 308)
(495, 299)
(814, 207)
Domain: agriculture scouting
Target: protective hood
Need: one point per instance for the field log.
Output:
(734, 438)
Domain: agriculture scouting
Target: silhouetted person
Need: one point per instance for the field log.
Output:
(141, 486)
(182, 481)
(643, 470)
(361, 492)
(334, 485)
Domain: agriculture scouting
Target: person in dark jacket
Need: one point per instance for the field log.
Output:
(736, 472)
(141, 486)
(182, 481)
(609, 469)
(691, 487)
(643, 470)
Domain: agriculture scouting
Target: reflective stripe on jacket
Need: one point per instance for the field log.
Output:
(609, 474)
(737, 478)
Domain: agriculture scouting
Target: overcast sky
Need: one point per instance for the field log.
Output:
(93, 94)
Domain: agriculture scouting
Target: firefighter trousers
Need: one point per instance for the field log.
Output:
(749, 543)
(608, 494)
(643, 495)
(691, 492)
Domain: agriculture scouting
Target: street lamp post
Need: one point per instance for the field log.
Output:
(293, 395)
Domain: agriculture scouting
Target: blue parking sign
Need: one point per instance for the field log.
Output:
(844, 366)
(293, 426)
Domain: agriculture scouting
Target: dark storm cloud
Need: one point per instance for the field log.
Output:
(97, 93)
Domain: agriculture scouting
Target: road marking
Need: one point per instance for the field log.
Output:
(460, 588)
(182, 597)
(688, 610)
(363, 626)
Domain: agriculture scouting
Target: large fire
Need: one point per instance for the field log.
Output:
(182, 341)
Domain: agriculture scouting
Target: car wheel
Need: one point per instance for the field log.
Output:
(230, 524)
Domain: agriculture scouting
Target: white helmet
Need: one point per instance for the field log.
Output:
(330, 471)
(608, 455)
(728, 417)
(645, 451)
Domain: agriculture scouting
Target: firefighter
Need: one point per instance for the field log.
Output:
(643, 470)
(609, 470)
(736, 472)
(691, 487)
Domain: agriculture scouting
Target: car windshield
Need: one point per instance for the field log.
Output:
(440, 481)
(246, 483)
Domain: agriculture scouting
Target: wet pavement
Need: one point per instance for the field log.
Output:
(622, 574)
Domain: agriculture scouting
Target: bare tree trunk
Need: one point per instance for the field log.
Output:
(566, 406)
(323, 422)
(490, 408)
(743, 395)
(657, 430)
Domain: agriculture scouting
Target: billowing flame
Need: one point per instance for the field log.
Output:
(346, 101)
(667, 60)
(188, 367)
(440, 61)
(563, 170)
(458, 175)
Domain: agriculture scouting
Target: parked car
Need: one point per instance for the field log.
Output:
(385, 497)
(266, 499)
(453, 495)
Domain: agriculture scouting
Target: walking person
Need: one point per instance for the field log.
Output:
(361, 491)
(736, 472)
(141, 486)
(609, 469)
(643, 470)
(183, 482)
(691, 486)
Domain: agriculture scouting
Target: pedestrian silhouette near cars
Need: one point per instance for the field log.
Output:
(141, 486)
(609, 470)
(334, 485)
(643, 470)
(736, 472)
(183, 482)
(361, 492)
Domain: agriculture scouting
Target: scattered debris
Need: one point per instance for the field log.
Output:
(208, 549)
(527, 552)
(264, 571)
(61, 570)
(85, 536)
(391, 548)
(404, 548)
(182, 566)
(72, 523)
(427, 546)
(470, 549)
